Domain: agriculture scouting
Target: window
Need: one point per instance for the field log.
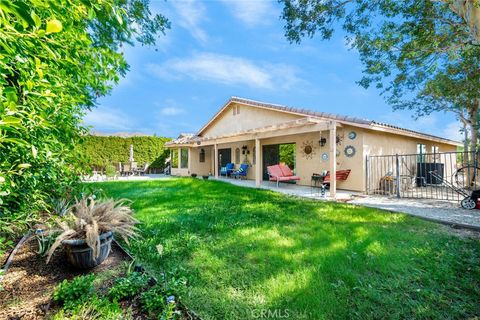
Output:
(254, 153)
(202, 155)
(174, 158)
(421, 150)
(237, 155)
(184, 158)
(435, 149)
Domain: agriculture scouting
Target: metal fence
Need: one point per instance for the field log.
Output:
(442, 176)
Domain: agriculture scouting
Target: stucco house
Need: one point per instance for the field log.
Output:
(252, 132)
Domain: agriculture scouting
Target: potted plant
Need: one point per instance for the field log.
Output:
(86, 231)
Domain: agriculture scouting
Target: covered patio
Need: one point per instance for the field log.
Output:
(195, 154)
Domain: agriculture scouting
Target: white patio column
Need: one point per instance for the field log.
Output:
(333, 159)
(215, 162)
(179, 158)
(189, 160)
(258, 164)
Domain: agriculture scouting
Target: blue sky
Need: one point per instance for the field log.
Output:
(223, 48)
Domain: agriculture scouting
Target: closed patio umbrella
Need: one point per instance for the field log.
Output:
(131, 154)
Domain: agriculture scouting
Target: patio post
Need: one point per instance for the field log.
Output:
(179, 158)
(189, 160)
(258, 165)
(333, 159)
(215, 162)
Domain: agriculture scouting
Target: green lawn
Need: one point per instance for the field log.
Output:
(250, 253)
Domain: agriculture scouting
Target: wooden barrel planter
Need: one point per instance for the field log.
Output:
(80, 255)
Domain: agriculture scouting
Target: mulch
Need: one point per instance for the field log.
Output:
(27, 287)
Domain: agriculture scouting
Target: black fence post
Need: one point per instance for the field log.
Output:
(397, 164)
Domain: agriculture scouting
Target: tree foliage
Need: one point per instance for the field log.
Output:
(100, 151)
(411, 50)
(56, 58)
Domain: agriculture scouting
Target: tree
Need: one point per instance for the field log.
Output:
(56, 58)
(422, 55)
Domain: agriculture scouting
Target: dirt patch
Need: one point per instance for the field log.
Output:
(26, 289)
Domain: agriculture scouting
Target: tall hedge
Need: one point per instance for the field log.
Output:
(99, 151)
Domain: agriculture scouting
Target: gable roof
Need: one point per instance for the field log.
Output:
(354, 121)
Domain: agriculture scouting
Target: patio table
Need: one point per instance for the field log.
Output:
(316, 181)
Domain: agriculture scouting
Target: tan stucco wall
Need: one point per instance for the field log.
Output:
(248, 118)
(378, 143)
(201, 168)
(383, 143)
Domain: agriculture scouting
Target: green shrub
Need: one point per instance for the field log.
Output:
(128, 286)
(153, 300)
(95, 308)
(101, 151)
(110, 171)
(74, 292)
(57, 59)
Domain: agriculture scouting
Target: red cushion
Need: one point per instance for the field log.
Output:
(275, 171)
(340, 175)
(287, 172)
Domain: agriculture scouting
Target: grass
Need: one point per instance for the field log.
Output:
(248, 253)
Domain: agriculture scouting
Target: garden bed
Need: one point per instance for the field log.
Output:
(26, 289)
(29, 287)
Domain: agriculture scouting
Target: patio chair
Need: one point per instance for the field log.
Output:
(227, 170)
(143, 170)
(241, 172)
(281, 173)
(340, 175)
(126, 170)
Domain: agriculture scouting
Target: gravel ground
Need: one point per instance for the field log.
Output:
(448, 212)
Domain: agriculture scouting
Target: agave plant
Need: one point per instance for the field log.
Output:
(88, 219)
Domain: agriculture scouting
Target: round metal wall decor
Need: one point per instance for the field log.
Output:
(325, 156)
(307, 150)
(352, 135)
(350, 151)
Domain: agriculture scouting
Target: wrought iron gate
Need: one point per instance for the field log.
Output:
(442, 176)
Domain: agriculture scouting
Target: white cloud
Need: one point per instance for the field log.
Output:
(252, 12)
(229, 70)
(108, 119)
(191, 13)
(171, 111)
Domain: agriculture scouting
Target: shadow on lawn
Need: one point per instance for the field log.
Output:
(247, 251)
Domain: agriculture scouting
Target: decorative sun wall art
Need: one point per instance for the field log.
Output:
(307, 149)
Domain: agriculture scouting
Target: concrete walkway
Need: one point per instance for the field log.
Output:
(445, 212)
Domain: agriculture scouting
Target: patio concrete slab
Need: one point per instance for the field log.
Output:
(102, 177)
(292, 189)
